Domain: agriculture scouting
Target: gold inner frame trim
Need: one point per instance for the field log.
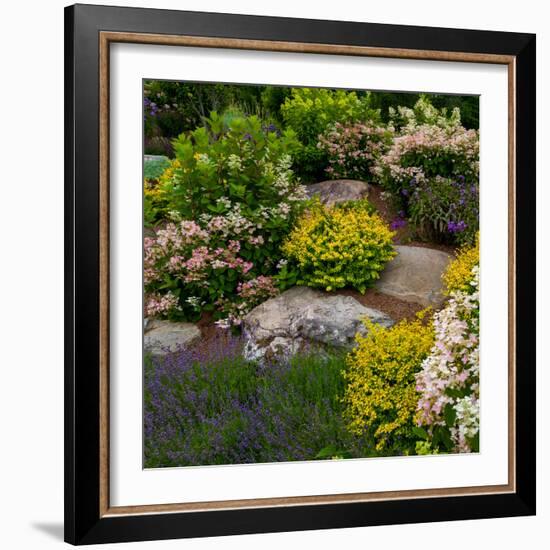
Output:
(105, 39)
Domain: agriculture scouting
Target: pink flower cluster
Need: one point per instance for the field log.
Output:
(352, 149)
(250, 294)
(184, 252)
(430, 143)
(450, 374)
(260, 287)
(158, 305)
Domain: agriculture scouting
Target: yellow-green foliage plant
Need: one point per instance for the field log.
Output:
(459, 273)
(156, 195)
(346, 245)
(380, 397)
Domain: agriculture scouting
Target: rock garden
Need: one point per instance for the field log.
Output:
(311, 268)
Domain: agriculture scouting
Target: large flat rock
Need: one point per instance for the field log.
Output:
(164, 337)
(332, 192)
(414, 275)
(302, 318)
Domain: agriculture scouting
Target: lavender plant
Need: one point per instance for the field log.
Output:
(209, 406)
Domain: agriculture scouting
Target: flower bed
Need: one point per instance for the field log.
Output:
(230, 226)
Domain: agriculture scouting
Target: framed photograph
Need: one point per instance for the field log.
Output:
(300, 274)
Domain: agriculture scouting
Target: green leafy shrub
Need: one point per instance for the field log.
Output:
(273, 98)
(237, 181)
(346, 245)
(232, 199)
(381, 396)
(310, 112)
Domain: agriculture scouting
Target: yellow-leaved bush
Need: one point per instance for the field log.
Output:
(344, 245)
(459, 273)
(156, 195)
(380, 397)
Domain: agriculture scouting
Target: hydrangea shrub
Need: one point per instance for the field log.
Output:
(185, 272)
(448, 383)
(233, 198)
(352, 149)
(405, 119)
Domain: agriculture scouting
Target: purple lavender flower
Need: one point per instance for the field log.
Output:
(398, 223)
(270, 128)
(457, 227)
(207, 405)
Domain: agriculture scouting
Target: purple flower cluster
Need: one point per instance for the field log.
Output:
(150, 107)
(456, 227)
(271, 128)
(443, 208)
(207, 405)
(399, 222)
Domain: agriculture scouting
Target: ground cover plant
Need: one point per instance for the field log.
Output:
(273, 218)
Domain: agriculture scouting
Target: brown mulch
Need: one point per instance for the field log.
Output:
(207, 327)
(394, 307)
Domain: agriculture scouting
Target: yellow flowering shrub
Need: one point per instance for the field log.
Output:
(156, 194)
(380, 397)
(344, 245)
(169, 172)
(155, 202)
(459, 273)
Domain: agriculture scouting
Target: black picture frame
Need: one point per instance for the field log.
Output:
(84, 522)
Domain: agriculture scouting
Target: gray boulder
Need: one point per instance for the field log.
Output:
(414, 275)
(163, 337)
(302, 318)
(332, 192)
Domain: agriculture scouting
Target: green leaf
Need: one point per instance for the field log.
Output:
(332, 451)
(456, 393)
(441, 433)
(420, 432)
(449, 414)
(474, 443)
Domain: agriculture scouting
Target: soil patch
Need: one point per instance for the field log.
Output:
(394, 307)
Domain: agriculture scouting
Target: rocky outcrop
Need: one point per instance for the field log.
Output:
(302, 318)
(414, 275)
(335, 191)
(163, 337)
